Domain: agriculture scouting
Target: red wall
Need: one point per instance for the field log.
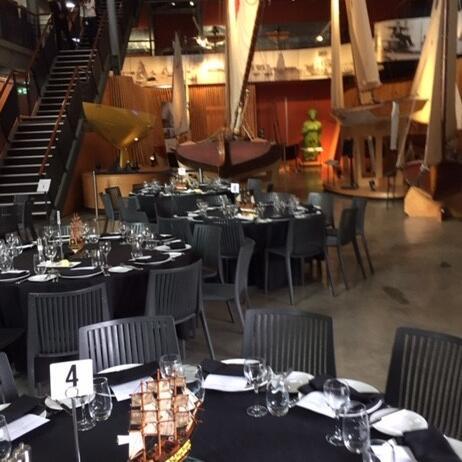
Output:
(301, 96)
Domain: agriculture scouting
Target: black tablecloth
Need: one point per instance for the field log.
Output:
(225, 434)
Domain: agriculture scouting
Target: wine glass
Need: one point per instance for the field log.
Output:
(356, 431)
(5, 440)
(170, 365)
(336, 394)
(277, 395)
(255, 372)
(101, 404)
(195, 382)
(39, 264)
(137, 248)
(105, 248)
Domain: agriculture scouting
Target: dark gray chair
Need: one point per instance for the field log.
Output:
(254, 185)
(129, 211)
(164, 207)
(184, 204)
(8, 220)
(115, 195)
(54, 320)
(344, 235)
(234, 292)
(215, 200)
(140, 339)
(8, 390)
(139, 228)
(23, 204)
(360, 203)
(206, 245)
(179, 227)
(325, 201)
(177, 292)
(9, 335)
(232, 238)
(111, 214)
(290, 339)
(306, 239)
(425, 375)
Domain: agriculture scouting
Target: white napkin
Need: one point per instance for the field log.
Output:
(24, 425)
(316, 402)
(162, 248)
(225, 383)
(120, 269)
(83, 268)
(401, 453)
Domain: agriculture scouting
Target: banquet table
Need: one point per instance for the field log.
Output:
(225, 434)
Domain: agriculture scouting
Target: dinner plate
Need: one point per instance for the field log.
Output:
(297, 379)
(56, 405)
(456, 446)
(150, 263)
(120, 269)
(41, 278)
(16, 275)
(166, 248)
(397, 423)
(81, 276)
(360, 387)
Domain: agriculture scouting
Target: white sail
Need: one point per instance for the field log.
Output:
(241, 29)
(362, 46)
(435, 81)
(336, 83)
(179, 91)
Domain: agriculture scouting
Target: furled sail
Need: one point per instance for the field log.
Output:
(362, 46)
(336, 83)
(242, 27)
(435, 82)
(179, 91)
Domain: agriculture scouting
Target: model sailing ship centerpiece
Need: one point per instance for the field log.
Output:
(163, 417)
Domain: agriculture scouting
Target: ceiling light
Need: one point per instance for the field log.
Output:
(173, 4)
(70, 5)
(191, 3)
(319, 38)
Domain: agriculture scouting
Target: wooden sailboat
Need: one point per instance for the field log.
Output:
(228, 152)
(437, 180)
(365, 128)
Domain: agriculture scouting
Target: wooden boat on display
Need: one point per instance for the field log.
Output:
(234, 151)
(163, 416)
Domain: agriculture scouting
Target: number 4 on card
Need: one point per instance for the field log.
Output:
(71, 379)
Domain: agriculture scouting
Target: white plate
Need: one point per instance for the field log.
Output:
(14, 278)
(81, 276)
(166, 248)
(121, 367)
(120, 269)
(456, 446)
(151, 263)
(397, 423)
(4, 406)
(297, 379)
(55, 405)
(360, 387)
(41, 278)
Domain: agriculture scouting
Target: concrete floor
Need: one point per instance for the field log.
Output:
(418, 269)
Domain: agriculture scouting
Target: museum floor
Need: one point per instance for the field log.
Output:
(418, 269)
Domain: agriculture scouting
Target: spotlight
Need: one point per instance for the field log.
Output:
(70, 5)
(191, 3)
(173, 4)
(319, 38)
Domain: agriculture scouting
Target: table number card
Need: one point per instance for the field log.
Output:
(44, 186)
(235, 188)
(181, 171)
(71, 379)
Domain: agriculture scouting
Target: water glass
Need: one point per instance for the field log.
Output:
(39, 264)
(337, 395)
(105, 249)
(101, 404)
(195, 383)
(356, 430)
(97, 258)
(170, 365)
(137, 249)
(277, 396)
(5, 440)
(85, 421)
(255, 372)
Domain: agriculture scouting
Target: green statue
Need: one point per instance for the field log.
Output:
(311, 132)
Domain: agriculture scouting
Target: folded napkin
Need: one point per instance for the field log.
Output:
(128, 375)
(430, 446)
(13, 274)
(22, 406)
(152, 258)
(81, 271)
(177, 245)
(317, 384)
(210, 366)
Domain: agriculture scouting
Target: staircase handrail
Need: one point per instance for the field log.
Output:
(62, 111)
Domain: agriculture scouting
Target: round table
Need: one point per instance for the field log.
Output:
(225, 434)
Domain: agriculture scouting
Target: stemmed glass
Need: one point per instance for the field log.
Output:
(170, 365)
(356, 431)
(51, 250)
(336, 394)
(255, 372)
(195, 383)
(39, 264)
(105, 248)
(5, 440)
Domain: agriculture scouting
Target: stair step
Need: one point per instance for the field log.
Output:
(8, 190)
(71, 66)
(49, 112)
(33, 148)
(33, 134)
(36, 127)
(28, 161)
(24, 143)
(23, 169)
(37, 118)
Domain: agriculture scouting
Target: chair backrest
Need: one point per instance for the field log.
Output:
(179, 227)
(325, 201)
(137, 187)
(140, 339)
(8, 390)
(232, 235)
(359, 203)
(184, 204)
(108, 209)
(290, 338)
(215, 200)
(8, 220)
(425, 375)
(174, 292)
(254, 184)
(128, 208)
(148, 205)
(206, 245)
(347, 226)
(115, 195)
(242, 265)
(139, 228)
(307, 236)
(23, 204)
(164, 207)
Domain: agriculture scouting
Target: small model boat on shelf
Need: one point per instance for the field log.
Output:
(163, 416)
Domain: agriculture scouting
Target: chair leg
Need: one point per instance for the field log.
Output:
(266, 271)
(237, 302)
(183, 349)
(330, 282)
(358, 257)
(342, 266)
(366, 249)
(230, 311)
(289, 280)
(208, 339)
(302, 268)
